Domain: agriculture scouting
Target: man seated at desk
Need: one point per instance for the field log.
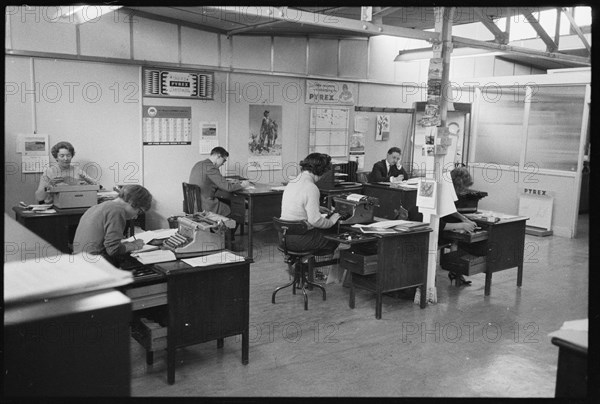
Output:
(101, 227)
(61, 173)
(389, 169)
(212, 184)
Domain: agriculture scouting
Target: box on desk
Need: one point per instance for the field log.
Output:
(75, 196)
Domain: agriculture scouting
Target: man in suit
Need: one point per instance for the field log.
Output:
(386, 169)
(212, 184)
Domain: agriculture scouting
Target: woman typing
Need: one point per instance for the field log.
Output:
(62, 173)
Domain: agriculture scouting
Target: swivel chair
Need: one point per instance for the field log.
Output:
(303, 262)
(191, 198)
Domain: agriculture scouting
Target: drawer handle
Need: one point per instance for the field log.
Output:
(187, 324)
(350, 261)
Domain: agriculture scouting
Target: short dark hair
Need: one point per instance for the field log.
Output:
(316, 163)
(137, 196)
(461, 179)
(220, 151)
(394, 150)
(62, 145)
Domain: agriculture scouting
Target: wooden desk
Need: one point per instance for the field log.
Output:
(74, 346)
(202, 304)
(59, 228)
(400, 261)
(327, 194)
(263, 204)
(496, 247)
(56, 228)
(391, 198)
(571, 374)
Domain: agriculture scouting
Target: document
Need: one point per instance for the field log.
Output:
(152, 257)
(34, 280)
(222, 257)
(148, 236)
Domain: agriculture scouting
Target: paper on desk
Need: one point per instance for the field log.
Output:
(146, 248)
(278, 188)
(355, 197)
(32, 280)
(151, 235)
(222, 257)
(44, 211)
(153, 257)
(384, 224)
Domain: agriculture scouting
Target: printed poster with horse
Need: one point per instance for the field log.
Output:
(264, 143)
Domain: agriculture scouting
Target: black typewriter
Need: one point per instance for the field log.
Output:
(467, 202)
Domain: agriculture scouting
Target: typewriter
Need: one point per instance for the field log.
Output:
(355, 208)
(467, 202)
(199, 232)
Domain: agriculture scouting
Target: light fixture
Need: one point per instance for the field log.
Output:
(409, 55)
(79, 14)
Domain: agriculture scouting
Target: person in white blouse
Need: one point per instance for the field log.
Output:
(300, 201)
(61, 173)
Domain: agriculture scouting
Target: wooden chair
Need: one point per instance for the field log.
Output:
(191, 198)
(303, 262)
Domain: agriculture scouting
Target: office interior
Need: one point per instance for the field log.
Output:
(79, 77)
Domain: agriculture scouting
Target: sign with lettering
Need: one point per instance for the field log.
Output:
(330, 92)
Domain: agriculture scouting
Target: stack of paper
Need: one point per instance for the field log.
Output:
(222, 257)
(153, 257)
(390, 226)
(32, 280)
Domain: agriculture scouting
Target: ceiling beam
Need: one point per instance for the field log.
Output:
(550, 45)
(325, 21)
(251, 27)
(501, 37)
(557, 27)
(577, 29)
(555, 56)
(385, 11)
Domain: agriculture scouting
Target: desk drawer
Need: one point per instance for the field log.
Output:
(463, 263)
(465, 237)
(358, 262)
(149, 333)
(143, 297)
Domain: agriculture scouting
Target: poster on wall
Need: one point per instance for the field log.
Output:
(163, 125)
(330, 92)
(208, 137)
(382, 130)
(264, 143)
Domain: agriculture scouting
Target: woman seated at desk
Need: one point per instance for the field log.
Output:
(462, 180)
(61, 173)
(300, 201)
(101, 227)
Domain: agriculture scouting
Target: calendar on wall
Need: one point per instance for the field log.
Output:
(164, 125)
(328, 131)
(34, 151)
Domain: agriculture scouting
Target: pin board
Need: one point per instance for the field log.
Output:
(538, 208)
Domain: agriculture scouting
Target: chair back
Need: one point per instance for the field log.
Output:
(191, 198)
(362, 177)
(289, 227)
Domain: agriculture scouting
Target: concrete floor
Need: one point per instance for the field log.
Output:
(466, 345)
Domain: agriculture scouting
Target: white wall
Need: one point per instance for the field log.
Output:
(108, 131)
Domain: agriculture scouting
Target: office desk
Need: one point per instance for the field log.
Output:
(572, 370)
(263, 204)
(200, 304)
(496, 247)
(59, 228)
(398, 261)
(328, 193)
(75, 345)
(56, 228)
(391, 198)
